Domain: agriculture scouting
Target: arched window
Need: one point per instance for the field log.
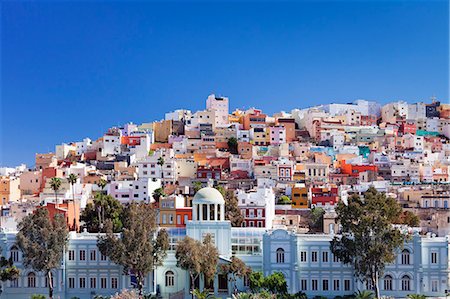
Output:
(15, 253)
(405, 257)
(170, 279)
(280, 255)
(388, 283)
(406, 283)
(31, 279)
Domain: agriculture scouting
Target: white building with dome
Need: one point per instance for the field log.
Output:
(422, 267)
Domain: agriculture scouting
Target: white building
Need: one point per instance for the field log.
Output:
(257, 207)
(220, 106)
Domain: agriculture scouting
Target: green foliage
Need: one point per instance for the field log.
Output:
(364, 294)
(55, 184)
(104, 207)
(102, 184)
(275, 283)
(316, 219)
(408, 218)
(158, 193)
(137, 250)
(7, 269)
(37, 296)
(42, 241)
(284, 200)
(369, 240)
(298, 295)
(205, 294)
(197, 257)
(232, 145)
(197, 186)
(256, 280)
(151, 152)
(416, 296)
(235, 269)
(72, 178)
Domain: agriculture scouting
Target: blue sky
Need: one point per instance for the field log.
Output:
(70, 70)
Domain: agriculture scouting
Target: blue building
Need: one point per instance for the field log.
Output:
(306, 261)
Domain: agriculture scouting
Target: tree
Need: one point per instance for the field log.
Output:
(369, 240)
(7, 269)
(104, 207)
(256, 280)
(197, 258)
(197, 186)
(284, 200)
(161, 164)
(55, 184)
(232, 211)
(232, 145)
(364, 295)
(42, 241)
(316, 219)
(408, 218)
(235, 269)
(158, 193)
(102, 184)
(275, 283)
(210, 258)
(141, 247)
(72, 179)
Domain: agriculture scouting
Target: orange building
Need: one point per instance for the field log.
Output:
(355, 170)
(245, 149)
(256, 118)
(69, 209)
(289, 125)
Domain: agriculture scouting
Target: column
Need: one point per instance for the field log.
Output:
(194, 212)
(216, 212)
(208, 212)
(222, 212)
(200, 206)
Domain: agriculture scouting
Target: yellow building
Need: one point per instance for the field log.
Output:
(299, 196)
(261, 136)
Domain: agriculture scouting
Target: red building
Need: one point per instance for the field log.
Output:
(324, 196)
(183, 215)
(209, 172)
(407, 127)
(368, 120)
(355, 170)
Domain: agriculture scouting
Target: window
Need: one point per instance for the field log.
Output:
(387, 283)
(346, 284)
(102, 257)
(434, 285)
(71, 255)
(170, 279)
(325, 257)
(303, 256)
(15, 253)
(434, 257)
(114, 282)
(280, 255)
(82, 255)
(406, 283)
(46, 281)
(103, 282)
(314, 256)
(31, 280)
(71, 283)
(335, 259)
(336, 284)
(304, 284)
(405, 257)
(314, 284)
(93, 255)
(93, 281)
(325, 285)
(82, 282)
(14, 283)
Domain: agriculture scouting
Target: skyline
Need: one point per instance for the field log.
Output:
(78, 76)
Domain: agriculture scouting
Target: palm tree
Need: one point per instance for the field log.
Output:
(161, 163)
(55, 184)
(416, 296)
(205, 294)
(72, 179)
(102, 184)
(366, 294)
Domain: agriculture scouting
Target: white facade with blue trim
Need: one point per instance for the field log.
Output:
(306, 261)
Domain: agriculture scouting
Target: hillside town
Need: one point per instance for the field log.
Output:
(284, 174)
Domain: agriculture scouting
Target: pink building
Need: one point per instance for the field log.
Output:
(277, 135)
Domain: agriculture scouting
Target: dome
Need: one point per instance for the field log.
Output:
(208, 195)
